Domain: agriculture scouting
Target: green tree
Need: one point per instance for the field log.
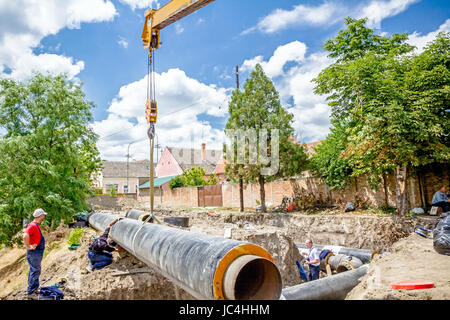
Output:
(177, 182)
(235, 172)
(329, 162)
(195, 177)
(396, 101)
(258, 109)
(213, 180)
(48, 153)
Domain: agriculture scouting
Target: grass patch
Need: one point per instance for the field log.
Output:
(383, 211)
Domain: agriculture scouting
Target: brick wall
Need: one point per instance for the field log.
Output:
(430, 181)
(181, 197)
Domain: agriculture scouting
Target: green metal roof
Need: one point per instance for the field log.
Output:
(158, 182)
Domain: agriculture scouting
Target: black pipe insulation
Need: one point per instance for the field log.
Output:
(207, 267)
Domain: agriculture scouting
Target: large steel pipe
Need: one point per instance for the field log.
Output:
(134, 214)
(341, 262)
(206, 267)
(330, 288)
(362, 254)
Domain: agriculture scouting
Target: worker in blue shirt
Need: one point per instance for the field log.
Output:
(440, 199)
(100, 251)
(313, 261)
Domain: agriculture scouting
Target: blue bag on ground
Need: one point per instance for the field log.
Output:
(441, 236)
(51, 292)
(349, 207)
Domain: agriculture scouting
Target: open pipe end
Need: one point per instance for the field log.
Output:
(144, 217)
(251, 277)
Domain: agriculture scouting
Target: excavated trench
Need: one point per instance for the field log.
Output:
(278, 233)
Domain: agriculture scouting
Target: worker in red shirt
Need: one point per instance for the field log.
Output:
(35, 244)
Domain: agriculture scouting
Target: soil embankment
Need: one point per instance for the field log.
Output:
(276, 232)
(412, 258)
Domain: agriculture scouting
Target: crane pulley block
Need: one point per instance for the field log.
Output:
(151, 111)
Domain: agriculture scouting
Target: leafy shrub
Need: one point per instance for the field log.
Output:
(75, 236)
(177, 182)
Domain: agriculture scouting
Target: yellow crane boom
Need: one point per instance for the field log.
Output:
(156, 20)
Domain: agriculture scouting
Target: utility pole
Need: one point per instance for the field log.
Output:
(241, 181)
(158, 147)
(128, 165)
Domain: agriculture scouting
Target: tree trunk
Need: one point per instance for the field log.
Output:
(241, 195)
(262, 193)
(386, 197)
(421, 191)
(402, 198)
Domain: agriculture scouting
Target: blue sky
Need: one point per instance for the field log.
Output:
(98, 42)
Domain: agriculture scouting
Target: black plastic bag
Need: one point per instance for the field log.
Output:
(441, 236)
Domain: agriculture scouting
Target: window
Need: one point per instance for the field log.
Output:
(125, 189)
(148, 168)
(108, 187)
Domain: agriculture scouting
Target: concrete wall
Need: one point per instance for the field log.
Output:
(104, 201)
(177, 197)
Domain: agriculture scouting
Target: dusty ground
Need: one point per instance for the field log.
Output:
(276, 232)
(412, 258)
(101, 284)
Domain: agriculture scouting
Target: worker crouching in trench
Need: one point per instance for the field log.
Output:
(100, 251)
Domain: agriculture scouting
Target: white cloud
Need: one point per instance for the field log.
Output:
(45, 63)
(293, 82)
(181, 100)
(123, 42)
(291, 52)
(178, 28)
(420, 41)
(377, 10)
(300, 15)
(327, 14)
(24, 23)
(312, 124)
(141, 4)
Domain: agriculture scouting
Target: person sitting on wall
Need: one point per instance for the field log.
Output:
(100, 251)
(440, 199)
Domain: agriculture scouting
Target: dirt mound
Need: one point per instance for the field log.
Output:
(106, 285)
(356, 230)
(128, 203)
(412, 258)
(99, 285)
(12, 269)
(284, 252)
(276, 232)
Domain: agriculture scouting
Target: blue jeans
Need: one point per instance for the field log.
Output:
(34, 258)
(314, 272)
(445, 206)
(100, 260)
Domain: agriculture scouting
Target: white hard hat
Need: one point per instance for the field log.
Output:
(39, 212)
